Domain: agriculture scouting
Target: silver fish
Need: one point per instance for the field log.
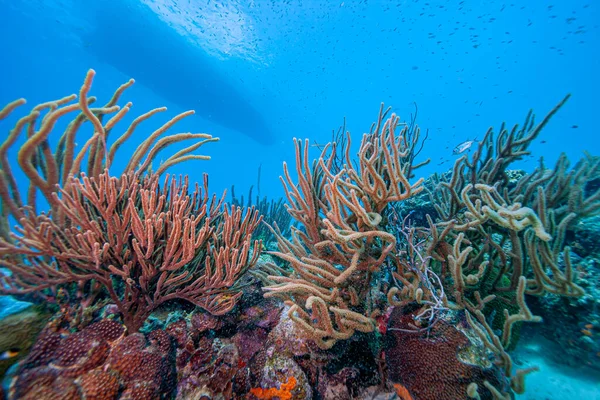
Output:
(464, 146)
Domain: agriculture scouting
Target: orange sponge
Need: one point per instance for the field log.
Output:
(283, 393)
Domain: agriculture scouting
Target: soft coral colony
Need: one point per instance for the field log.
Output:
(141, 242)
(429, 293)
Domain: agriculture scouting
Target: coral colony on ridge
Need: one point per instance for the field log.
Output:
(373, 282)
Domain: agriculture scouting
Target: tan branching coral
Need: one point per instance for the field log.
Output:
(548, 201)
(343, 242)
(514, 217)
(497, 239)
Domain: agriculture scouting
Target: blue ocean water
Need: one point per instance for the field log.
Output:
(304, 66)
(261, 73)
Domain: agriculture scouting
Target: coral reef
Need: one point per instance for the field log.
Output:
(417, 359)
(103, 231)
(493, 239)
(385, 286)
(98, 362)
(343, 243)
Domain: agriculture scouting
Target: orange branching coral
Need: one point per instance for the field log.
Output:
(47, 169)
(126, 237)
(143, 243)
(283, 393)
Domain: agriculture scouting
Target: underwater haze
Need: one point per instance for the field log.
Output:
(299, 199)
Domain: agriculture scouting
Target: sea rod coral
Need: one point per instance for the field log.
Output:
(343, 243)
(490, 242)
(133, 239)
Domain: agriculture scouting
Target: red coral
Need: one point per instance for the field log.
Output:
(139, 391)
(427, 364)
(43, 383)
(107, 329)
(80, 352)
(98, 363)
(43, 350)
(99, 385)
(160, 340)
(86, 350)
(126, 357)
(202, 322)
(179, 331)
(131, 343)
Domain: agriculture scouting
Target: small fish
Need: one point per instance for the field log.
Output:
(9, 354)
(464, 146)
